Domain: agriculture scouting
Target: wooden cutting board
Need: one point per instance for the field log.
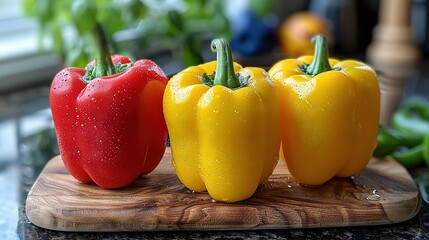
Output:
(383, 193)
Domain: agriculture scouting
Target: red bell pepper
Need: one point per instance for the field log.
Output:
(108, 118)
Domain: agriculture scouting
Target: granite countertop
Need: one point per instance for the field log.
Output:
(17, 175)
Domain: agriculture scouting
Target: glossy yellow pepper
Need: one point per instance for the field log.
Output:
(329, 115)
(223, 122)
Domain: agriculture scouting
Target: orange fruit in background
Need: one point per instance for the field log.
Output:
(296, 31)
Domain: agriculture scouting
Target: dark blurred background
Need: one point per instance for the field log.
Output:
(39, 37)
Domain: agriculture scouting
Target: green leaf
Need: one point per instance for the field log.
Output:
(79, 54)
(260, 8)
(190, 52)
(84, 15)
(220, 26)
(426, 149)
(75, 58)
(57, 38)
(195, 9)
(175, 19)
(423, 183)
(133, 10)
(45, 11)
(29, 7)
(178, 31)
(110, 15)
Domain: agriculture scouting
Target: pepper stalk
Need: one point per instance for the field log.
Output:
(320, 61)
(224, 74)
(103, 61)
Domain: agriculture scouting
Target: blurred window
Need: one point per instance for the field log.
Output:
(18, 34)
(21, 62)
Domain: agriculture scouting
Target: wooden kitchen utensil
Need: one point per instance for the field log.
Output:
(393, 53)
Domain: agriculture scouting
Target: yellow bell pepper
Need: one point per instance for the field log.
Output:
(223, 122)
(329, 115)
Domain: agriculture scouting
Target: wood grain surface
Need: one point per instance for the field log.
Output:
(383, 193)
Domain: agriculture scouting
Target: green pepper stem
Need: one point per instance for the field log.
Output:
(103, 62)
(320, 61)
(225, 74)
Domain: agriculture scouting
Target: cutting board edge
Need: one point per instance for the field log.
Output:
(417, 203)
(168, 228)
(49, 223)
(52, 223)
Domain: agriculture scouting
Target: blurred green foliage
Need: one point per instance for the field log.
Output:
(39, 147)
(132, 26)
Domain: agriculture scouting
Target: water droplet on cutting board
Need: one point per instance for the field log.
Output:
(374, 196)
(358, 185)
